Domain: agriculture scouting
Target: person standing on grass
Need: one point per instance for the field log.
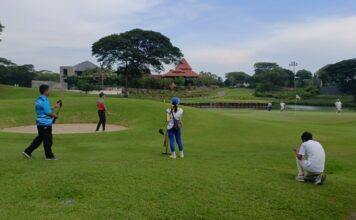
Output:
(102, 110)
(338, 105)
(174, 127)
(269, 106)
(45, 118)
(310, 159)
(283, 106)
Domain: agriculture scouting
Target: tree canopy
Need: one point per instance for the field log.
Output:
(303, 76)
(136, 52)
(270, 76)
(236, 78)
(343, 74)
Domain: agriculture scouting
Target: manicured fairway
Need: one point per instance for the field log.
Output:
(239, 165)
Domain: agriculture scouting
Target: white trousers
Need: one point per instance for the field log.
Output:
(303, 170)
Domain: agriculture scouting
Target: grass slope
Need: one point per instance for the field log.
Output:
(238, 165)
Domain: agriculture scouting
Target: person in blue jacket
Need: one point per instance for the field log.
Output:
(45, 118)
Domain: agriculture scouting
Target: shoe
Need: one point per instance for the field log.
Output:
(181, 154)
(26, 155)
(300, 178)
(319, 180)
(173, 156)
(51, 158)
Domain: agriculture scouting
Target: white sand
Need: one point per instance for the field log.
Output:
(64, 129)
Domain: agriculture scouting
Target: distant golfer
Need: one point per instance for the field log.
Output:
(338, 105)
(45, 118)
(174, 127)
(310, 159)
(269, 106)
(102, 110)
(283, 106)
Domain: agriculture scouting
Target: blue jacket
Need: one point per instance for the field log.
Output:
(43, 108)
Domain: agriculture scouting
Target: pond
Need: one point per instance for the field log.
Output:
(310, 107)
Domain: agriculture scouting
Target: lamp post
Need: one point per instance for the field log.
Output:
(294, 64)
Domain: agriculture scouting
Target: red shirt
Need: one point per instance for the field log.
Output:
(101, 105)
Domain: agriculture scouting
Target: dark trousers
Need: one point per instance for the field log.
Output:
(45, 136)
(102, 120)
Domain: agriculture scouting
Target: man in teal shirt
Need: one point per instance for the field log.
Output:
(44, 120)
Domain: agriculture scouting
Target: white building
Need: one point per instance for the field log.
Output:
(76, 70)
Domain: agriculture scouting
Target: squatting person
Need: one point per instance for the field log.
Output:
(174, 127)
(45, 118)
(310, 159)
(102, 110)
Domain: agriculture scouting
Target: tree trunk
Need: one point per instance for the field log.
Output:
(126, 85)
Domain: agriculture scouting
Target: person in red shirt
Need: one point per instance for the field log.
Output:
(101, 111)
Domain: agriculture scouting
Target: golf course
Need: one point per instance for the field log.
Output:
(238, 164)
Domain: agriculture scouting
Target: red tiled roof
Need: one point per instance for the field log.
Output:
(183, 69)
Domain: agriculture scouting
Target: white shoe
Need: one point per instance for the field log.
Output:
(173, 156)
(300, 178)
(26, 155)
(181, 154)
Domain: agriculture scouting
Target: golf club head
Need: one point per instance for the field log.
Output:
(161, 131)
(60, 103)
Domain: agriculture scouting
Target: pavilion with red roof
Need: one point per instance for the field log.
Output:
(183, 69)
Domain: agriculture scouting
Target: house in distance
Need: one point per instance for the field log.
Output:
(183, 69)
(76, 70)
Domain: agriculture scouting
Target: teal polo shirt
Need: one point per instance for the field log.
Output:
(43, 108)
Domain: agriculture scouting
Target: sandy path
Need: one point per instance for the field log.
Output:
(64, 129)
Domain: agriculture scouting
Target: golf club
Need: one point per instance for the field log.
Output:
(59, 102)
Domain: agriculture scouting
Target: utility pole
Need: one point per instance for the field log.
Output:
(294, 64)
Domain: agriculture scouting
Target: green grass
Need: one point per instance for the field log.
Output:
(239, 165)
(246, 95)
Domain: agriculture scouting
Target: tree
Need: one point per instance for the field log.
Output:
(270, 76)
(6, 62)
(1, 28)
(303, 76)
(236, 78)
(85, 85)
(46, 75)
(265, 67)
(135, 53)
(343, 74)
(209, 79)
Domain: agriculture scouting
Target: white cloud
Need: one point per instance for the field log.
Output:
(60, 32)
(313, 43)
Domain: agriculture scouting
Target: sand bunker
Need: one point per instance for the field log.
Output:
(65, 129)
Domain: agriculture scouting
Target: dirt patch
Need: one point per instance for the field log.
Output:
(64, 129)
(352, 216)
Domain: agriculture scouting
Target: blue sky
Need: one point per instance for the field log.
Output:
(217, 36)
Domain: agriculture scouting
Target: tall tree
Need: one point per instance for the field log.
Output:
(136, 52)
(236, 78)
(303, 76)
(270, 76)
(264, 67)
(343, 74)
